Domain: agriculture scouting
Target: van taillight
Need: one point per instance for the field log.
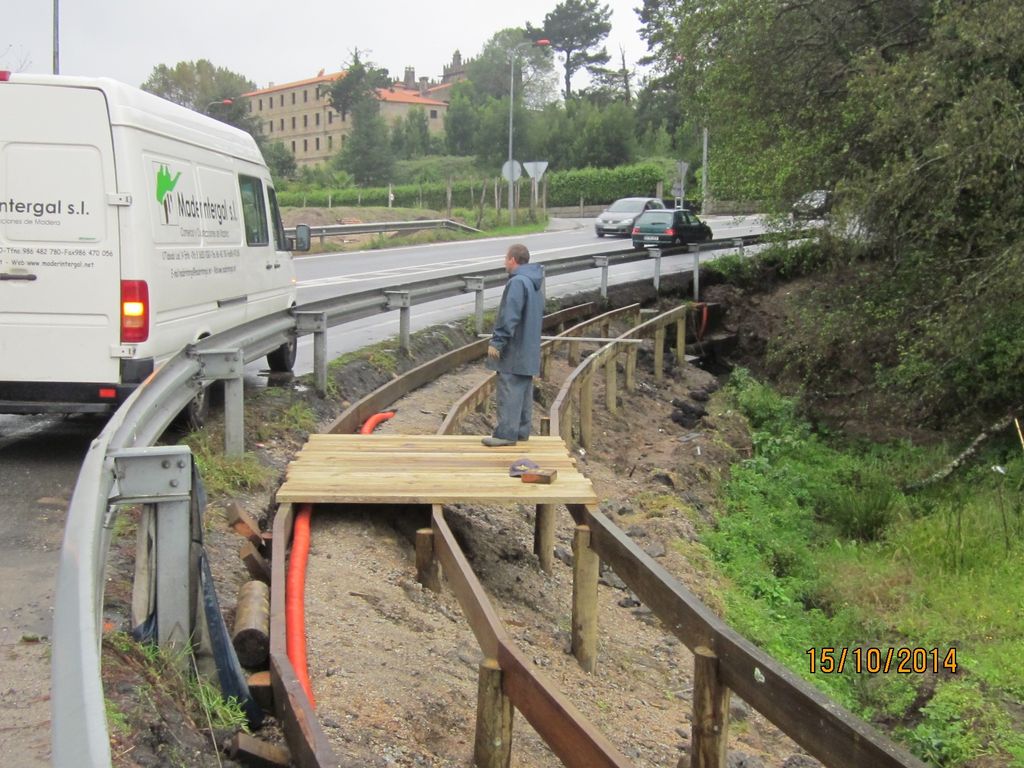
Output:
(134, 311)
(670, 232)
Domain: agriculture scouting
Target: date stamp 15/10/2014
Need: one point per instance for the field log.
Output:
(904, 661)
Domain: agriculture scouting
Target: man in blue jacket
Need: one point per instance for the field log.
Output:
(514, 349)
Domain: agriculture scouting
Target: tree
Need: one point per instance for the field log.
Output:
(203, 87)
(367, 152)
(575, 29)
(611, 85)
(489, 72)
(460, 119)
(410, 136)
(359, 82)
(280, 161)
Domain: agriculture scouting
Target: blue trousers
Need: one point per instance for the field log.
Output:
(515, 406)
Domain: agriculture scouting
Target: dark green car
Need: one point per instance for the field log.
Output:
(662, 229)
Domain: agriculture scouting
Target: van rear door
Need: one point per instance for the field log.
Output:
(59, 254)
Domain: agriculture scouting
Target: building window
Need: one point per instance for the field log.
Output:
(305, 96)
(293, 122)
(317, 143)
(270, 127)
(305, 121)
(293, 147)
(433, 114)
(282, 123)
(261, 105)
(318, 118)
(330, 117)
(282, 99)
(305, 146)
(330, 142)
(293, 97)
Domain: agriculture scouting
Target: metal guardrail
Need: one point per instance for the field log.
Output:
(339, 230)
(78, 729)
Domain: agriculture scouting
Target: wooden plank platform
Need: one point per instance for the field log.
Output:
(428, 469)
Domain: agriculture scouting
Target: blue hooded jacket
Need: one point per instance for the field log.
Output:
(518, 325)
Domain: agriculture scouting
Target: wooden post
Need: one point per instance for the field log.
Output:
(573, 355)
(544, 536)
(631, 368)
(428, 570)
(710, 729)
(611, 377)
(586, 410)
(585, 568)
(251, 633)
(681, 340)
(493, 745)
(659, 353)
(545, 426)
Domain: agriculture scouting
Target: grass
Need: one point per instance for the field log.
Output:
(823, 549)
(225, 475)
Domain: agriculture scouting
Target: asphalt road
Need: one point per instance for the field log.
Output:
(40, 456)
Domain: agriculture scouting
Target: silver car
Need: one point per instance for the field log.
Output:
(618, 218)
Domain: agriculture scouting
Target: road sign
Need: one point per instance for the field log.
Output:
(511, 170)
(535, 168)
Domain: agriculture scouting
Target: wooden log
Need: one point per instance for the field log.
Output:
(251, 636)
(544, 536)
(251, 751)
(585, 569)
(710, 728)
(255, 563)
(428, 569)
(492, 747)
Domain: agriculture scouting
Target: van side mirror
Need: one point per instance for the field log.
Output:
(302, 238)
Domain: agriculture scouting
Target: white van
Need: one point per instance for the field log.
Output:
(129, 228)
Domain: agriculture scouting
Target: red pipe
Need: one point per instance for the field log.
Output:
(371, 423)
(295, 599)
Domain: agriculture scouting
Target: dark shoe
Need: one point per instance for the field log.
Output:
(496, 442)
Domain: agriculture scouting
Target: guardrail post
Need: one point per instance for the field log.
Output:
(585, 568)
(572, 355)
(161, 479)
(710, 729)
(476, 283)
(544, 536)
(428, 570)
(316, 323)
(587, 410)
(655, 253)
(659, 353)
(696, 272)
(492, 747)
(602, 262)
(402, 301)
(630, 377)
(228, 365)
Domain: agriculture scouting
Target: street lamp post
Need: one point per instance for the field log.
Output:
(512, 53)
(218, 103)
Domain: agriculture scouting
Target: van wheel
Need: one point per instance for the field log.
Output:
(282, 359)
(194, 415)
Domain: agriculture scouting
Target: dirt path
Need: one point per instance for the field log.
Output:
(394, 667)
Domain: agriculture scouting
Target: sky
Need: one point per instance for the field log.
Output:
(272, 42)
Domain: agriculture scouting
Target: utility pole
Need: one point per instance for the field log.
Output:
(704, 174)
(56, 37)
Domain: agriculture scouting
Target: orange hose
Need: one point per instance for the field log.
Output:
(371, 423)
(703, 321)
(295, 599)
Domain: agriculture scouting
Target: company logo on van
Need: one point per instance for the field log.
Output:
(164, 185)
(185, 208)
